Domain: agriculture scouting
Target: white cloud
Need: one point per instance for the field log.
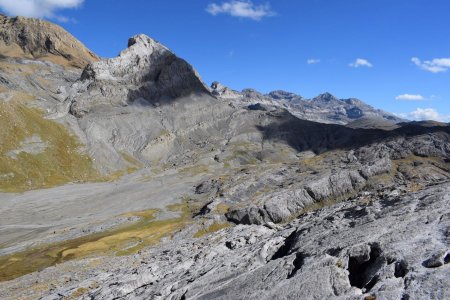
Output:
(242, 9)
(436, 65)
(422, 114)
(38, 8)
(361, 62)
(410, 97)
(313, 61)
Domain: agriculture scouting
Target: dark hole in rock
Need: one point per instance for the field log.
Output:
(447, 258)
(405, 297)
(334, 251)
(389, 202)
(354, 213)
(229, 245)
(49, 44)
(358, 271)
(311, 193)
(286, 248)
(298, 263)
(183, 297)
(401, 269)
(204, 210)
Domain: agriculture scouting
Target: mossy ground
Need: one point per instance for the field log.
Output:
(124, 240)
(61, 162)
(212, 228)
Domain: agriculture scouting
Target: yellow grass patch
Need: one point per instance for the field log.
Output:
(61, 162)
(212, 228)
(123, 240)
(222, 208)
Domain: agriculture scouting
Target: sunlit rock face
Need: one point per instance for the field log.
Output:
(145, 70)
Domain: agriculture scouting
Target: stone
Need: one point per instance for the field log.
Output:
(437, 259)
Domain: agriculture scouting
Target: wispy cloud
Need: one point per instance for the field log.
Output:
(436, 65)
(241, 9)
(410, 97)
(422, 114)
(313, 61)
(361, 62)
(38, 8)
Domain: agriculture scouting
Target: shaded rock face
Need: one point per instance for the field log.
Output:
(283, 95)
(145, 70)
(33, 38)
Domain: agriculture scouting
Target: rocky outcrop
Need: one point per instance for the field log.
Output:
(391, 247)
(283, 205)
(37, 39)
(390, 160)
(223, 92)
(146, 70)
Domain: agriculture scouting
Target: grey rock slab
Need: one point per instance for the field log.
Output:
(312, 257)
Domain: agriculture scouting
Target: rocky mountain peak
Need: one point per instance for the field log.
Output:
(145, 70)
(325, 97)
(284, 95)
(144, 41)
(37, 39)
(142, 57)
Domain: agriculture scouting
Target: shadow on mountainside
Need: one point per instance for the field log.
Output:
(171, 79)
(304, 135)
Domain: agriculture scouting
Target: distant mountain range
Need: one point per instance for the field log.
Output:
(324, 108)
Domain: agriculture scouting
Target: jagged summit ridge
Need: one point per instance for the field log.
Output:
(38, 39)
(145, 70)
(325, 108)
(133, 63)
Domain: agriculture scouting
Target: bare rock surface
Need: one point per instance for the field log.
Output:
(145, 70)
(388, 247)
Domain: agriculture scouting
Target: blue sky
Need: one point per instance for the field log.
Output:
(393, 54)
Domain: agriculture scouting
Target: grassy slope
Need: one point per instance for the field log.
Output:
(60, 163)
